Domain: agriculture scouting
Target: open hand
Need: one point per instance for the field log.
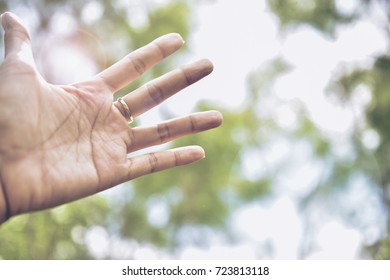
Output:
(62, 143)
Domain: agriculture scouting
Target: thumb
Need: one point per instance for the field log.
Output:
(16, 38)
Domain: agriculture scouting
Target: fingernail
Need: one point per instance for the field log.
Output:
(175, 37)
(199, 151)
(216, 119)
(179, 37)
(169, 43)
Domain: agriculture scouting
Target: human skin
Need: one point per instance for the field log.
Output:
(60, 143)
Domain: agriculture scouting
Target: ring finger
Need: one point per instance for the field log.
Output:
(144, 137)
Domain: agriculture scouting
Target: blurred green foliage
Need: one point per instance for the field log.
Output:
(323, 15)
(372, 163)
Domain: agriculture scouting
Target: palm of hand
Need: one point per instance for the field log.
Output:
(61, 143)
(58, 139)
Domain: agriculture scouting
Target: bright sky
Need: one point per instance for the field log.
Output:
(240, 39)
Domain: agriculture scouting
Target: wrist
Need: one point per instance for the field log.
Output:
(4, 215)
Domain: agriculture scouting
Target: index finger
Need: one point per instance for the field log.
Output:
(136, 63)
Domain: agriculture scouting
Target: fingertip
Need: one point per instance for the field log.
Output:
(209, 119)
(8, 17)
(207, 65)
(197, 70)
(11, 21)
(4, 18)
(198, 152)
(177, 37)
(189, 154)
(216, 119)
(169, 43)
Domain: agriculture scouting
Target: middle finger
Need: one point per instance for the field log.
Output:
(158, 90)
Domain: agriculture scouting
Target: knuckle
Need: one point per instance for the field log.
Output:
(138, 64)
(163, 132)
(153, 162)
(155, 93)
(176, 158)
(129, 172)
(192, 122)
(160, 49)
(188, 77)
(106, 83)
